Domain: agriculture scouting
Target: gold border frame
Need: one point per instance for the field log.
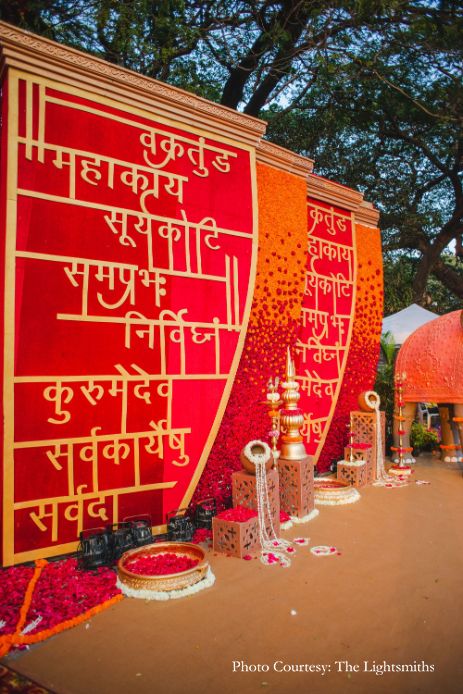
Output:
(280, 158)
(9, 327)
(333, 193)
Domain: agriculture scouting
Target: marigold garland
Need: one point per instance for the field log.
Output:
(360, 371)
(273, 324)
(28, 639)
(8, 641)
(32, 596)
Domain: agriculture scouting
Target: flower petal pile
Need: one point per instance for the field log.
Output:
(270, 559)
(202, 535)
(160, 564)
(239, 514)
(13, 584)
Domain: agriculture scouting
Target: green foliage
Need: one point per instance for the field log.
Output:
(147, 35)
(61, 20)
(423, 439)
(399, 271)
(388, 120)
(384, 385)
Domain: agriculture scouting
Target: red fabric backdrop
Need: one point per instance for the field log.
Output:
(133, 261)
(362, 360)
(327, 313)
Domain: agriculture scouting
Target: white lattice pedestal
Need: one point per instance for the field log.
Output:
(244, 493)
(361, 454)
(296, 486)
(235, 538)
(354, 472)
(364, 431)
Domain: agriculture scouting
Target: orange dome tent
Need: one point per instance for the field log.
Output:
(432, 358)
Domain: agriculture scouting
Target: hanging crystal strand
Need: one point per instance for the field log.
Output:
(382, 477)
(351, 435)
(269, 541)
(268, 513)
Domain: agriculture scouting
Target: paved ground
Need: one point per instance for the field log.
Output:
(394, 596)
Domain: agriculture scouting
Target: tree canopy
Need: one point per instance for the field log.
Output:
(371, 89)
(388, 120)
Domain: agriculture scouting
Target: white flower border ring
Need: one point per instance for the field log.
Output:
(257, 458)
(146, 594)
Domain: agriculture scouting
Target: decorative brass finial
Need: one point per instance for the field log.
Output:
(290, 368)
(291, 416)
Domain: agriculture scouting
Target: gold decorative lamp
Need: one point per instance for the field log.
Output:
(295, 467)
(291, 416)
(273, 403)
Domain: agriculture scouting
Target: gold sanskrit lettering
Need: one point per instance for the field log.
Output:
(38, 518)
(59, 394)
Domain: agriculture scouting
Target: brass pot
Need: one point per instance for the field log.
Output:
(256, 449)
(165, 582)
(368, 400)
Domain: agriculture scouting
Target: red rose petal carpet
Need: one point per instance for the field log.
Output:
(37, 602)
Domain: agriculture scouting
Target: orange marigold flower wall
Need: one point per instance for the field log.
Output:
(360, 372)
(273, 323)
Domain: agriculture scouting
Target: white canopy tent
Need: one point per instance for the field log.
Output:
(401, 325)
(405, 322)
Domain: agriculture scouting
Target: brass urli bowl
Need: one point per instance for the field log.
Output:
(330, 484)
(332, 489)
(164, 582)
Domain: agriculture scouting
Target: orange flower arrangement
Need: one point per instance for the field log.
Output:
(280, 274)
(273, 322)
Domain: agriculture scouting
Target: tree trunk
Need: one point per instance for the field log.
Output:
(421, 277)
(234, 86)
(449, 277)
